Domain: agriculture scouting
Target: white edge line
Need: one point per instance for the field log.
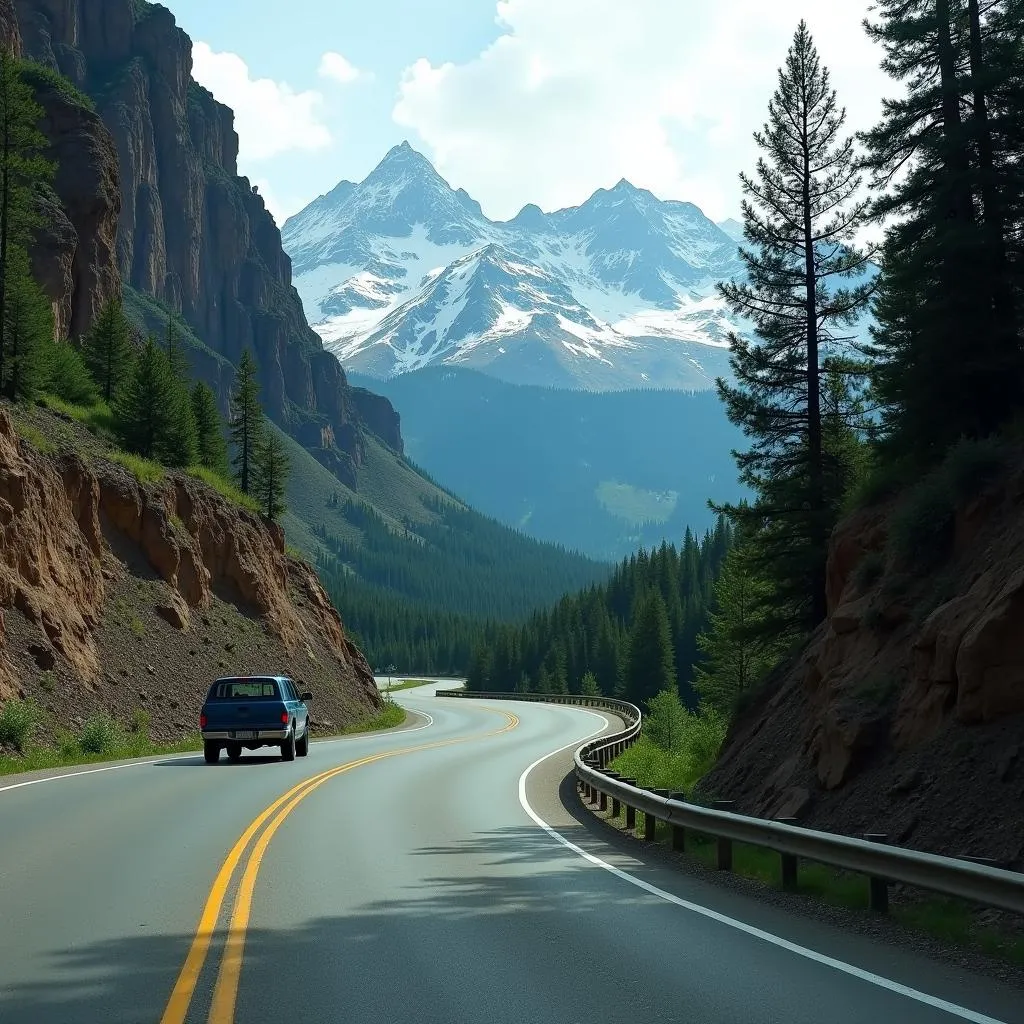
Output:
(757, 933)
(183, 757)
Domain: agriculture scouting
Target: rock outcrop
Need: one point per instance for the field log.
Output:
(192, 232)
(84, 545)
(905, 713)
(73, 257)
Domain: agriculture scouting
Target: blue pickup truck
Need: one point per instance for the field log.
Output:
(247, 712)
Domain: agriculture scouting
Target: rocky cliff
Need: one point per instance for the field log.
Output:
(905, 713)
(74, 255)
(191, 232)
(135, 596)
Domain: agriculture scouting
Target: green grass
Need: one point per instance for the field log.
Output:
(946, 919)
(35, 438)
(223, 487)
(388, 717)
(406, 684)
(144, 470)
(98, 418)
(634, 504)
(102, 738)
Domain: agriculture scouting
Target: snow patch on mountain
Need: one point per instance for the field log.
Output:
(401, 271)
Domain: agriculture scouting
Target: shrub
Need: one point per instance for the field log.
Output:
(144, 470)
(223, 487)
(19, 719)
(100, 735)
(972, 465)
(868, 570)
(922, 527)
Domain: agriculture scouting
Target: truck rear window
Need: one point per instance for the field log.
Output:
(244, 689)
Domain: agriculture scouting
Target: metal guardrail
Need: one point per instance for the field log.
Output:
(882, 864)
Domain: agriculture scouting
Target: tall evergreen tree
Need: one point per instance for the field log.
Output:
(145, 407)
(736, 653)
(589, 686)
(67, 376)
(801, 212)
(947, 339)
(28, 328)
(246, 424)
(651, 663)
(271, 475)
(211, 446)
(22, 167)
(107, 349)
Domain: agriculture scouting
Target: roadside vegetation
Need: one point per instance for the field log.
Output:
(102, 738)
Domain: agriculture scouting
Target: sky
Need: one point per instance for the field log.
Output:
(517, 101)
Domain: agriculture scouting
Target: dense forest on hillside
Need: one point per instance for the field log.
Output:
(424, 613)
(632, 637)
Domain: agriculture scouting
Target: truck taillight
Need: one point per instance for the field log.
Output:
(202, 721)
(284, 717)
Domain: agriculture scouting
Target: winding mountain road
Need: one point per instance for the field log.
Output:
(437, 874)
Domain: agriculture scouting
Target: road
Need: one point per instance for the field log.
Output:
(438, 874)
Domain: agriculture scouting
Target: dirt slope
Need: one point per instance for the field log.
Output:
(121, 596)
(905, 713)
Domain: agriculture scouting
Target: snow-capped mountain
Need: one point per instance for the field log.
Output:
(401, 271)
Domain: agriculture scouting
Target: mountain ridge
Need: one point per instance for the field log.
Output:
(636, 274)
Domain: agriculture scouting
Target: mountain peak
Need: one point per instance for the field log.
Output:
(403, 155)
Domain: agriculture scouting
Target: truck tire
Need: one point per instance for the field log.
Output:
(234, 751)
(211, 751)
(288, 747)
(302, 745)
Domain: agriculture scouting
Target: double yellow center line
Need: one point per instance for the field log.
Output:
(225, 993)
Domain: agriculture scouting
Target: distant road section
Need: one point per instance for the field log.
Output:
(439, 873)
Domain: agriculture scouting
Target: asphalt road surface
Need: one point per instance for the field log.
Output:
(438, 874)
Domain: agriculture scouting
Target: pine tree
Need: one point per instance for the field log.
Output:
(801, 213)
(145, 406)
(589, 686)
(67, 376)
(22, 168)
(184, 435)
(28, 328)
(736, 654)
(211, 446)
(246, 424)
(666, 720)
(271, 476)
(651, 663)
(107, 349)
(947, 343)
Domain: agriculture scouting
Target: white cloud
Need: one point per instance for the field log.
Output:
(339, 69)
(270, 117)
(575, 94)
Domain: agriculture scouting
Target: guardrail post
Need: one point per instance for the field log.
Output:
(789, 863)
(603, 805)
(724, 845)
(616, 809)
(879, 887)
(678, 831)
(630, 811)
(650, 821)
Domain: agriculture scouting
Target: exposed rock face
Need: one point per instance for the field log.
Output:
(72, 534)
(74, 257)
(191, 231)
(909, 700)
